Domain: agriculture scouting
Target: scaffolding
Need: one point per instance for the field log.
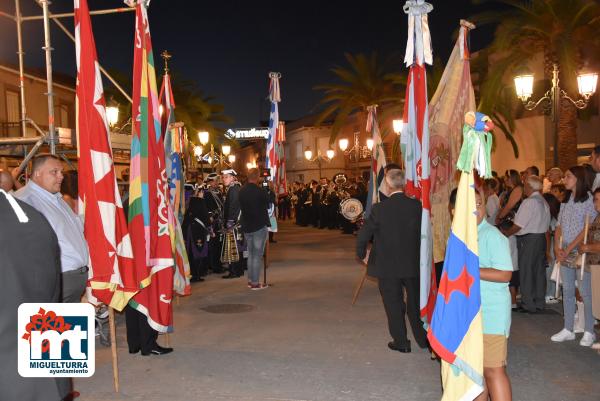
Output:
(50, 137)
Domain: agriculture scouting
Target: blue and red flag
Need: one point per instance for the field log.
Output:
(415, 141)
(274, 97)
(376, 181)
(456, 330)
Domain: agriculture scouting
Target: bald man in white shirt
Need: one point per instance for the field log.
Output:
(530, 226)
(43, 193)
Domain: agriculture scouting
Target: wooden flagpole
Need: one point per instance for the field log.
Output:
(558, 267)
(113, 347)
(585, 238)
(266, 262)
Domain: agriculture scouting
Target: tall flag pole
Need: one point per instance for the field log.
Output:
(148, 192)
(376, 181)
(453, 98)
(112, 278)
(415, 138)
(456, 330)
(174, 168)
(280, 178)
(274, 97)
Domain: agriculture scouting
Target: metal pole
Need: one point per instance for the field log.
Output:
(357, 155)
(48, 49)
(102, 70)
(67, 15)
(319, 162)
(555, 114)
(20, 53)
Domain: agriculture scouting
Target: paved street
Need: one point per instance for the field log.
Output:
(302, 340)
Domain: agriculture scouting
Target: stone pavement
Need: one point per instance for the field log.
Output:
(302, 340)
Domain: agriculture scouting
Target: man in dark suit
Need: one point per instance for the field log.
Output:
(394, 226)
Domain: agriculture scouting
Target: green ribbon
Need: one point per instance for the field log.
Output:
(475, 152)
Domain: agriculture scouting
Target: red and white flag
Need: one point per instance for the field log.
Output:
(112, 278)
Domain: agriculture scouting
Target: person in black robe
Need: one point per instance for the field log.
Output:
(196, 225)
(29, 272)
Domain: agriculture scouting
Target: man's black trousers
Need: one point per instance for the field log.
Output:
(392, 292)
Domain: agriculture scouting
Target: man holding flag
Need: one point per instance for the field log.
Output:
(393, 224)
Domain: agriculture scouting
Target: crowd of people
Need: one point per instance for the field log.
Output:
(225, 223)
(544, 219)
(534, 231)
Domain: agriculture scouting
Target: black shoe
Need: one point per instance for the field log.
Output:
(392, 345)
(196, 280)
(158, 350)
(134, 350)
(523, 310)
(272, 241)
(230, 276)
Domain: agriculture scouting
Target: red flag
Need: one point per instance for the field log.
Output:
(148, 192)
(112, 276)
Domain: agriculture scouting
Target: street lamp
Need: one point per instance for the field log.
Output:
(231, 159)
(203, 137)
(112, 115)
(586, 83)
(398, 125)
(319, 157)
(357, 150)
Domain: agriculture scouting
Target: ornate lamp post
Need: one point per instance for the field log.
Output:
(356, 150)
(586, 83)
(308, 155)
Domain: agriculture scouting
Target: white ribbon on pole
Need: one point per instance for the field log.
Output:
(274, 95)
(370, 118)
(418, 45)
(16, 207)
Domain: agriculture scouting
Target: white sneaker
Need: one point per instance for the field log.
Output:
(587, 340)
(563, 335)
(551, 300)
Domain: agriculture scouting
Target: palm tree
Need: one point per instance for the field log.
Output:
(501, 110)
(197, 111)
(564, 31)
(366, 81)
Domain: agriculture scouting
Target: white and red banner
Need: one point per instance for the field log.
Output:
(112, 278)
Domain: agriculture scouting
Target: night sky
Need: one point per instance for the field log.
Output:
(229, 47)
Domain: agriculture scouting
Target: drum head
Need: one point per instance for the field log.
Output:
(351, 208)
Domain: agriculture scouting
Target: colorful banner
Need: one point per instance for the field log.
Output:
(274, 97)
(453, 97)
(456, 331)
(175, 178)
(112, 278)
(280, 178)
(415, 140)
(148, 190)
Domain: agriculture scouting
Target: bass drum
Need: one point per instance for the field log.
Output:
(351, 209)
